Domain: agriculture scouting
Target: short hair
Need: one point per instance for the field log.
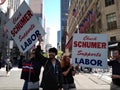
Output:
(54, 50)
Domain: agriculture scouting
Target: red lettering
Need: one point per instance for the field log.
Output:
(21, 37)
(99, 45)
(75, 43)
(15, 19)
(89, 38)
(104, 45)
(21, 23)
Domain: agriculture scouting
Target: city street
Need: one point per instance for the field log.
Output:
(83, 81)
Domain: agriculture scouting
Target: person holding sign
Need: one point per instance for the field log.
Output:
(31, 70)
(68, 73)
(115, 85)
(52, 74)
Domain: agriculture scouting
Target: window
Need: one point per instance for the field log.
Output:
(109, 2)
(111, 21)
(113, 39)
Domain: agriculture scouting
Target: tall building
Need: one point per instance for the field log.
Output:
(59, 40)
(47, 36)
(37, 8)
(95, 16)
(64, 15)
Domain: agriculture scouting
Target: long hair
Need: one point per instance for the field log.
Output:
(63, 61)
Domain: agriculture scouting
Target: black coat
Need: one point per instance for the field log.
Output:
(31, 70)
(52, 76)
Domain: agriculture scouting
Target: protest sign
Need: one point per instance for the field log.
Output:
(24, 28)
(90, 50)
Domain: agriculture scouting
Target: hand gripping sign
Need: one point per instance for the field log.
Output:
(24, 28)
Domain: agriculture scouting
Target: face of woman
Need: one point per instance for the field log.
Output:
(68, 59)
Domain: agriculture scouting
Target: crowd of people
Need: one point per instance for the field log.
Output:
(57, 74)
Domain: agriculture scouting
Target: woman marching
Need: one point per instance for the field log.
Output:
(68, 73)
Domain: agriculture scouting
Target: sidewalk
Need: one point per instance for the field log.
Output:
(86, 81)
(13, 82)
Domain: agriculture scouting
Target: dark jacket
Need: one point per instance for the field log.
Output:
(68, 79)
(115, 71)
(52, 76)
(31, 68)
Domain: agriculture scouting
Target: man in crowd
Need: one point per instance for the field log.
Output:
(115, 63)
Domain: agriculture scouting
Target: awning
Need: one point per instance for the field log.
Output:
(113, 45)
(69, 43)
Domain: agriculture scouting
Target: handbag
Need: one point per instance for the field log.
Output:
(32, 85)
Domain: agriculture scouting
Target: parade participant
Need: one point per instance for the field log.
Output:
(30, 72)
(68, 73)
(52, 74)
(8, 66)
(115, 85)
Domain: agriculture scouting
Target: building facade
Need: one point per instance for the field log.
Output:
(7, 10)
(94, 16)
(59, 40)
(64, 15)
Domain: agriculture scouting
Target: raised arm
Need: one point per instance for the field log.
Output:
(38, 52)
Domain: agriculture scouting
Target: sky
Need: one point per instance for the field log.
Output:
(52, 15)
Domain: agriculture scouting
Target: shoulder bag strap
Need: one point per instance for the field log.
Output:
(29, 72)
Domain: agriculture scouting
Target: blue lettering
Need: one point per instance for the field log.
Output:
(76, 61)
(99, 63)
(33, 37)
(22, 48)
(93, 62)
(29, 41)
(37, 33)
(26, 44)
(87, 61)
(81, 61)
